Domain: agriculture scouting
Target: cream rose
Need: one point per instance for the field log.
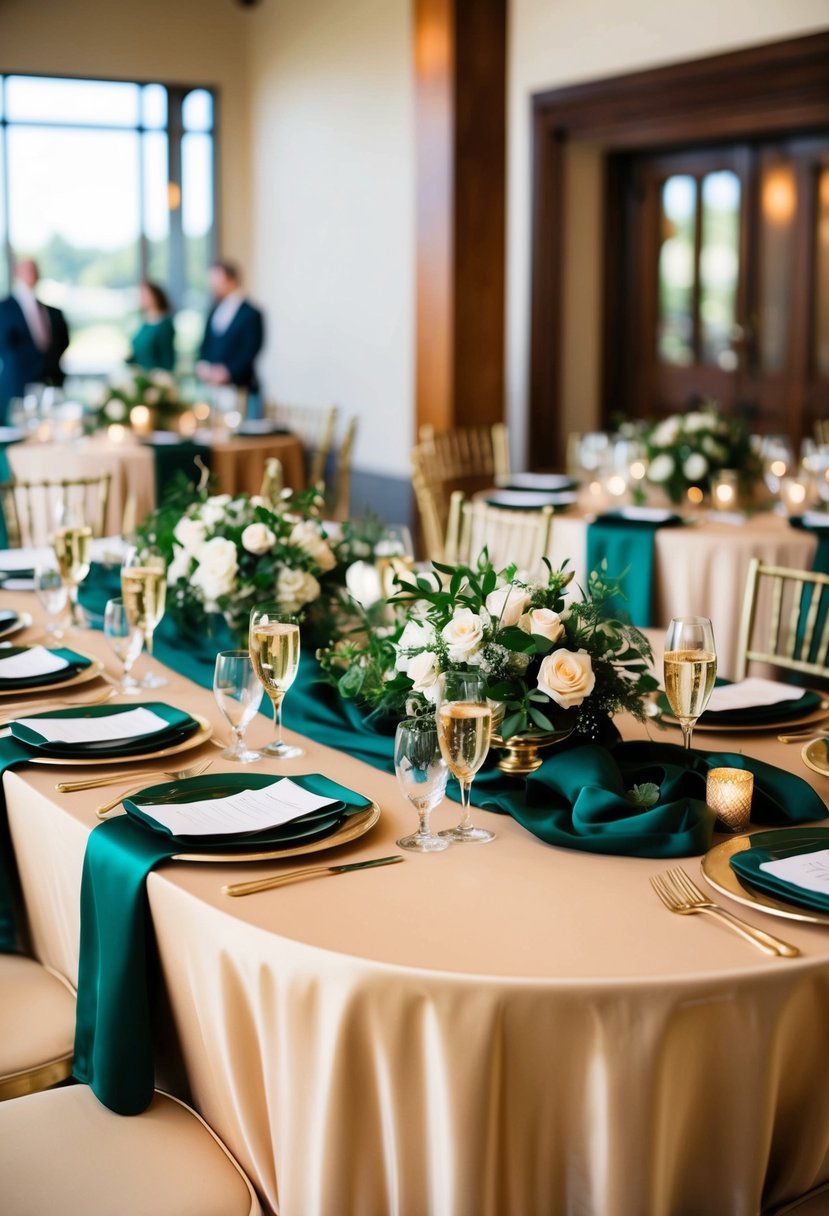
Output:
(695, 467)
(661, 468)
(258, 539)
(543, 622)
(115, 409)
(214, 510)
(567, 677)
(306, 536)
(215, 574)
(423, 672)
(507, 604)
(295, 588)
(463, 635)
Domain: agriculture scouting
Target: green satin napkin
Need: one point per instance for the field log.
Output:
(12, 754)
(75, 664)
(581, 798)
(627, 545)
(772, 846)
(116, 973)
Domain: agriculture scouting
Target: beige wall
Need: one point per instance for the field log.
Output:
(561, 43)
(175, 41)
(333, 212)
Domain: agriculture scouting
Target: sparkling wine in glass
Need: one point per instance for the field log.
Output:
(464, 725)
(238, 695)
(125, 639)
(72, 544)
(421, 774)
(144, 592)
(274, 652)
(53, 596)
(690, 669)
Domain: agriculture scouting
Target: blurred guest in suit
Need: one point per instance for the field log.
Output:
(154, 343)
(233, 334)
(33, 337)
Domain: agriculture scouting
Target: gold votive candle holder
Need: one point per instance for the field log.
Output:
(725, 490)
(729, 791)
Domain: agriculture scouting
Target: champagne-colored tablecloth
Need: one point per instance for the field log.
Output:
(501, 1030)
(131, 465)
(701, 569)
(238, 463)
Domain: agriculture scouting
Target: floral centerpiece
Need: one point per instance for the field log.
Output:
(551, 667)
(156, 391)
(224, 553)
(685, 449)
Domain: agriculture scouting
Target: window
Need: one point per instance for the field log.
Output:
(105, 183)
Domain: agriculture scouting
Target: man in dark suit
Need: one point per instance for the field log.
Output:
(33, 337)
(233, 334)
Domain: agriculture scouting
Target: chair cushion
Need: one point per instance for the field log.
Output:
(37, 1026)
(62, 1151)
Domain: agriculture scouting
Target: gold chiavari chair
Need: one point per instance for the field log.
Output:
(316, 427)
(37, 1027)
(340, 501)
(822, 432)
(30, 507)
(510, 537)
(272, 481)
(465, 459)
(794, 634)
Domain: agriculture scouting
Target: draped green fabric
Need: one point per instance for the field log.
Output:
(173, 458)
(772, 846)
(627, 545)
(12, 754)
(117, 968)
(820, 565)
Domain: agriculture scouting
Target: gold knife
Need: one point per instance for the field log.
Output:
(276, 880)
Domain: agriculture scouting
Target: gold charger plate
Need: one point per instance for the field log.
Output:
(45, 690)
(815, 755)
(195, 740)
(24, 621)
(353, 828)
(716, 868)
(782, 723)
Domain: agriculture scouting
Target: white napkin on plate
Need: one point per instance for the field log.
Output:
(36, 661)
(751, 693)
(245, 811)
(130, 725)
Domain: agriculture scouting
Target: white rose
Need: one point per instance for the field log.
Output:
(695, 467)
(666, 433)
(661, 468)
(507, 604)
(307, 537)
(115, 410)
(423, 672)
(697, 421)
(416, 635)
(295, 588)
(152, 396)
(257, 538)
(463, 634)
(214, 510)
(190, 533)
(179, 567)
(544, 622)
(215, 575)
(567, 677)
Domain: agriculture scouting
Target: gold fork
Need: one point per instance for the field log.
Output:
(91, 783)
(679, 894)
(194, 771)
(23, 708)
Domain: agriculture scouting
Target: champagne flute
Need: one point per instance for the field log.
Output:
(238, 695)
(53, 595)
(274, 652)
(144, 591)
(72, 543)
(464, 726)
(125, 639)
(690, 668)
(421, 774)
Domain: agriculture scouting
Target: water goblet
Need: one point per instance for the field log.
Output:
(422, 775)
(144, 591)
(464, 725)
(125, 639)
(274, 652)
(53, 596)
(690, 669)
(238, 695)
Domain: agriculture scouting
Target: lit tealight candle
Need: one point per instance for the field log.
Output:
(724, 489)
(187, 424)
(116, 433)
(141, 419)
(792, 495)
(616, 485)
(729, 792)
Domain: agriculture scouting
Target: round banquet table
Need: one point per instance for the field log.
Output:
(490, 1031)
(238, 462)
(701, 569)
(131, 465)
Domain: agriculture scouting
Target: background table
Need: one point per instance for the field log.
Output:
(239, 462)
(700, 569)
(491, 1031)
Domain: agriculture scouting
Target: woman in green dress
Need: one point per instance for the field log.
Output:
(154, 344)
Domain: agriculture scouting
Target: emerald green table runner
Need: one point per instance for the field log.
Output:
(116, 971)
(627, 546)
